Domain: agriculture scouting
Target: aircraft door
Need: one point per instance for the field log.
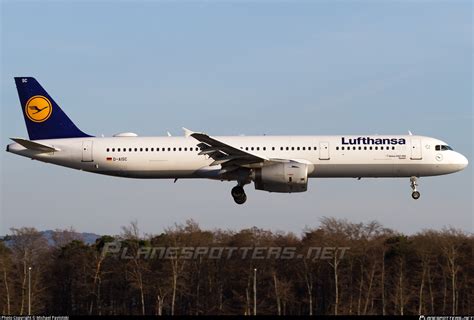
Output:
(416, 149)
(87, 151)
(324, 151)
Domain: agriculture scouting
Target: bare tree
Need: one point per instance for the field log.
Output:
(131, 235)
(28, 246)
(6, 268)
(451, 242)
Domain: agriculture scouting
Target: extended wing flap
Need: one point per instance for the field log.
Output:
(32, 145)
(230, 158)
(224, 147)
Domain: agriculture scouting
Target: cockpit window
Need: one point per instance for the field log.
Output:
(442, 148)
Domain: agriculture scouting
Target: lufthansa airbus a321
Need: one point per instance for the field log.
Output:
(272, 163)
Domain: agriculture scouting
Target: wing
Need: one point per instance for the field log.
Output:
(229, 157)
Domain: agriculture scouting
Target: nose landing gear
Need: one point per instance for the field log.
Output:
(413, 184)
(238, 194)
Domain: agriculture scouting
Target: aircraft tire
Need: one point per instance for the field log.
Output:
(415, 195)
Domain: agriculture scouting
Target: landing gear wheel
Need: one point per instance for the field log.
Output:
(241, 199)
(237, 191)
(415, 195)
(238, 194)
(413, 184)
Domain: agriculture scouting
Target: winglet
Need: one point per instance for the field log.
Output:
(187, 132)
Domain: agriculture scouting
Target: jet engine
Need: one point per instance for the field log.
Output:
(282, 177)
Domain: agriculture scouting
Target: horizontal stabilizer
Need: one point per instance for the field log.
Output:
(31, 145)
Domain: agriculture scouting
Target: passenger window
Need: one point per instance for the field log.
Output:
(129, 149)
(251, 148)
(370, 147)
(304, 148)
(393, 147)
(353, 148)
(309, 148)
(258, 148)
(264, 148)
(108, 149)
(174, 149)
(118, 150)
(287, 148)
(169, 149)
(314, 148)
(342, 148)
(136, 149)
(273, 148)
(281, 148)
(179, 149)
(376, 148)
(247, 148)
(365, 148)
(292, 148)
(146, 149)
(360, 148)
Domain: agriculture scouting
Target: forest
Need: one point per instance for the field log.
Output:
(367, 269)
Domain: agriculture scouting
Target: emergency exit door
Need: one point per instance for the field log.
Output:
(87, 151)
(416, 149)
(324, 151)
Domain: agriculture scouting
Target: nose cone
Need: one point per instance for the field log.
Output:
(463, 162)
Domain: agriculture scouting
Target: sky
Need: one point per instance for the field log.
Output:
(230, 68)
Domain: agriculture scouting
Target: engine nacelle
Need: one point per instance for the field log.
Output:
(282, 177)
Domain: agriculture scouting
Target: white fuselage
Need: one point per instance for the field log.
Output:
(326, 156)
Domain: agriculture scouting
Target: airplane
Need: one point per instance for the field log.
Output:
(273, 163)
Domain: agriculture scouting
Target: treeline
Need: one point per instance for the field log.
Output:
(372, 270)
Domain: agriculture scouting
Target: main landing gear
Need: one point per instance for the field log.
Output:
(413, 183)
(238, 194)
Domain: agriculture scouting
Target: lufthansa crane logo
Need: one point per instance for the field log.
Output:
(38, 109)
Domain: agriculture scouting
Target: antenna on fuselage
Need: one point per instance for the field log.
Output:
(409, 132)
